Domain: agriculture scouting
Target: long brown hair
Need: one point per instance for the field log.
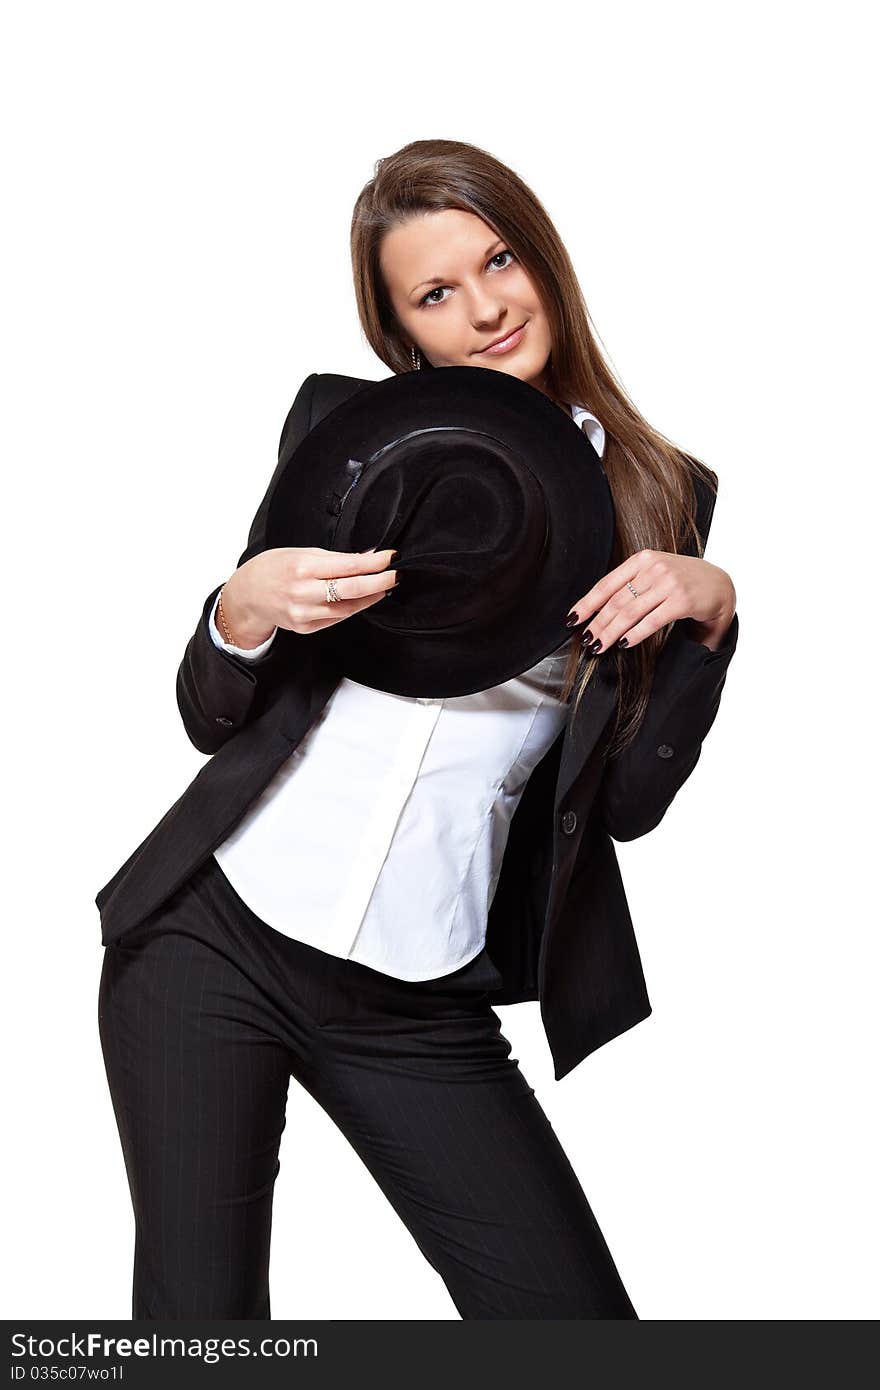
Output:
(651, 479)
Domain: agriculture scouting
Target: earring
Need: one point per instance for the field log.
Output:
(416, 358)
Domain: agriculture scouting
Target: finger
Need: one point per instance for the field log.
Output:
(623, 609)
(608, 585)
(653, 621)
(336, 612)
(597, 626)
(349, 587)
(647, 614)
(330, 564)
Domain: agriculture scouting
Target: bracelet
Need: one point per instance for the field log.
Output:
(222, 616)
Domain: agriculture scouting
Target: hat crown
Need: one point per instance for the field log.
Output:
(462, 508)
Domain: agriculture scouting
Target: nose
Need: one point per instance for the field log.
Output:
(487, 313)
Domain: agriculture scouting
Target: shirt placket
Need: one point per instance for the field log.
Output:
(384, 804)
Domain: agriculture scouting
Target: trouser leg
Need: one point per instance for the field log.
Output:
(423, 1086)
(199, 1090)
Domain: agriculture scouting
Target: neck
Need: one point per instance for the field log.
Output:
(544, 384)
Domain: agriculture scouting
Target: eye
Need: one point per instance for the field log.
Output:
(427, 300)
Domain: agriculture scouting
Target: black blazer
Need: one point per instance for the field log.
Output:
(559, 928)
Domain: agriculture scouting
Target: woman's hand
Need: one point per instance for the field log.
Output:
(285, 587)
(668, 587)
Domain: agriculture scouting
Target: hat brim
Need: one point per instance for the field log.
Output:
(580, 510)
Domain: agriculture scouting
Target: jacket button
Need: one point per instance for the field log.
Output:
(665, 750)
(569, 822)
(221, 719)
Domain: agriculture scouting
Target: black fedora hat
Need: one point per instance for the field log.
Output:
(496, 502)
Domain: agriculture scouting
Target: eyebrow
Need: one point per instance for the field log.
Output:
(439, 280)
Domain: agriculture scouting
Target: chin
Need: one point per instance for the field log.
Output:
(529, 367)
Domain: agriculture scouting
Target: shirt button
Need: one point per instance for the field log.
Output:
(665, 750)
(569, 821)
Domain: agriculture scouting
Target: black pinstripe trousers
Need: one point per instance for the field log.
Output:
(205, 1012)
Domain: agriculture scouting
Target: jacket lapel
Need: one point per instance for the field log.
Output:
(583, 730)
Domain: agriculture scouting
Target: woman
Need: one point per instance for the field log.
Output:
(355, 877)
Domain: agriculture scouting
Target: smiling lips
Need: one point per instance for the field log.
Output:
(505, 345)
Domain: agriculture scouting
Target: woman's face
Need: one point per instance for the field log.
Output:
(456, 288)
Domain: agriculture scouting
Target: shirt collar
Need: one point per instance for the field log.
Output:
(593, 428)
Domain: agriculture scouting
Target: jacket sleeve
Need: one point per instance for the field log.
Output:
(218, 692)
(639, 784)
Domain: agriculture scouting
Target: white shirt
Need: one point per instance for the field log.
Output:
(380, 839)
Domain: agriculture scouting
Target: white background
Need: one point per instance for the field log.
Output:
(178, 181)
